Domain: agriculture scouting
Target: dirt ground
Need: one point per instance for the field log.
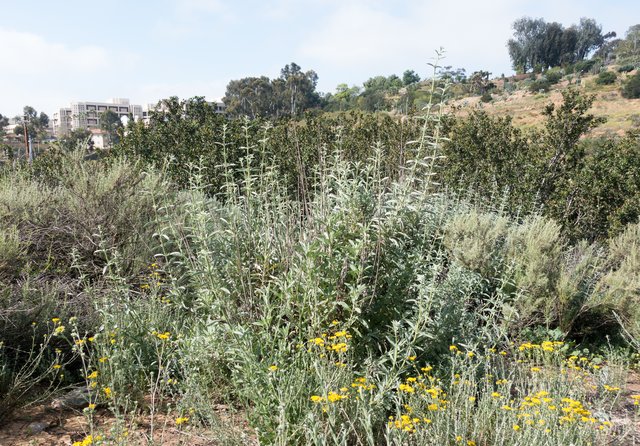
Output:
(40, 426)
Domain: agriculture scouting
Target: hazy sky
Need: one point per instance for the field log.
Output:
(56, 52)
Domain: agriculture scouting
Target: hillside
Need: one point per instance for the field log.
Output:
(526, 108)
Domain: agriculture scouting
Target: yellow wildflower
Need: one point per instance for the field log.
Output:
(333, 397)
(181, 420)
(406, 388)
(317, 341)
(163, 336)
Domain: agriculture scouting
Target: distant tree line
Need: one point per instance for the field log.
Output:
(538, 45)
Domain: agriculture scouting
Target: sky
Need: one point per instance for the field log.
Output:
(53, 53)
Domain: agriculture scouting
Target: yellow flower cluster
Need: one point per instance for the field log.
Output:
(407, 423)
(547, 346)
(87, 441)
(359, 385)
(162, 336)
(332, 397)
(337, 342)
(575, 411)
(181, 420)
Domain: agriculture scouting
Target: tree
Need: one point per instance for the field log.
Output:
(343, 99)
(568, 45)
(454, 76)
(250, 96)
(524, 48)
(110, 122)
(37, 123)
(410, 77)
(628, 50)
(590, 38)
(564, 126)
(551, 45)
(3, 122)
(480, 82)
(288, 95)
(539, 45)
(299, 89)
(74, 138)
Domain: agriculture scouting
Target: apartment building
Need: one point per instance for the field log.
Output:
(86, 115)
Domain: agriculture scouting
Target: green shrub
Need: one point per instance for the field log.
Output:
(631, 88)
(554, 75)
(476, 241)
(584, 66)
(606, 78)
(540, 85)
(626, 68)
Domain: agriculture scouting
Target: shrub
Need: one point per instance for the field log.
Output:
(540, 85)
(631, 88)
(554, 75)
(584, 66)
(66, 224)
(486, 97)
(626, 68)
(606, 78)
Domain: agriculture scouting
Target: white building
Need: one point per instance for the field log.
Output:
(86, 115)
(61, 121)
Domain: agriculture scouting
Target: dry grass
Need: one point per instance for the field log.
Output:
(526, 108)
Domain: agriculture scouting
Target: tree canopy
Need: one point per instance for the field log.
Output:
(37, 124)
(288, 95)
(538, 45)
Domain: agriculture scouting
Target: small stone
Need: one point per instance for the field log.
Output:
(75, 399)
(36, 427)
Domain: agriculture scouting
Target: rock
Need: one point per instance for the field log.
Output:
(36, 427)
(75, 399)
